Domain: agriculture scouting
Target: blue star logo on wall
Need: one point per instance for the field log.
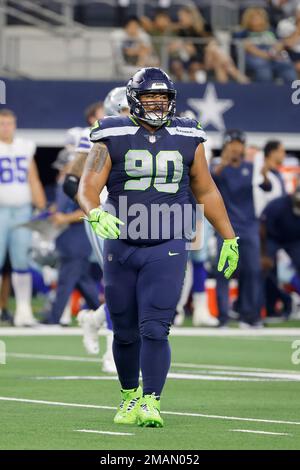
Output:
(210, 108)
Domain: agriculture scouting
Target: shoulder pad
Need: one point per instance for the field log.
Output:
(187, 127)
(112, 126)
(186, 122)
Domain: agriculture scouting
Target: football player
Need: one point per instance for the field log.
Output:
(147, 159)
(91, 321)
(20, 187)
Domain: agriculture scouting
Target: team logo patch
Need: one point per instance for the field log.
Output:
(173, 254)
(184, 131)
(245, 172)
(158, 86)
(152, 139)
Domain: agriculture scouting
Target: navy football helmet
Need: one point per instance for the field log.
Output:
(151, 80)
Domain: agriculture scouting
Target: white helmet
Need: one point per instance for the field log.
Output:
(116, 102)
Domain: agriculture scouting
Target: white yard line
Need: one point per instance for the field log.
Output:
(261, 432)
(57, 403)
(171, 375)
(269, 339)
(258, 375)
(76, 377)
(175, 413)
(202, 367)
(208, 371)
(105, 432)
(230, 368)
(54, 357)
(44, 330)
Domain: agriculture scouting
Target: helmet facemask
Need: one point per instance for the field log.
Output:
(154, 112)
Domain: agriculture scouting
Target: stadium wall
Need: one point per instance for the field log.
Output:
(45, 109)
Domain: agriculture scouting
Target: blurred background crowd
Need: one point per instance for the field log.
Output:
(199, 40)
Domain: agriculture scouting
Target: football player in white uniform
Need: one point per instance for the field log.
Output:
(20, 188)
(115, 103)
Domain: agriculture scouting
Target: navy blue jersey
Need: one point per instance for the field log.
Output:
(73, 241)
(149, 169)
(236, 187)
(282, 224)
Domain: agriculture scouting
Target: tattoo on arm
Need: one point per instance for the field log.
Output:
(78, 164)
(97, 157)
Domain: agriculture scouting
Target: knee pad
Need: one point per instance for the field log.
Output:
(157, 330)
(126, 336)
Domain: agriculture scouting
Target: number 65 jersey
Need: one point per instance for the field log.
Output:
(150, 170)
(15, 159)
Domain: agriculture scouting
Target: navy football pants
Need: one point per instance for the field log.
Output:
(142, 288)
(73, 273)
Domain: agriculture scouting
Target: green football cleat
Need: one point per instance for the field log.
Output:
(129, 406)
(149, 412)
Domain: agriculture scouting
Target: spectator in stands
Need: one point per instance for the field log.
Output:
(280, 9)
(234, 179)
(133, 48)
(160, 27)
(266, 57)
(288, 31)
(199, 57)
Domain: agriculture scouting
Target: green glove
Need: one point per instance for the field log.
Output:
(229, 253)
(104, 224)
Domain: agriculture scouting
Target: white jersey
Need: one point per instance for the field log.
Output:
(73, 136)
(84, 146)
(261, 197)
(15, 159)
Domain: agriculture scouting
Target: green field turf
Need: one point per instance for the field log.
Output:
(230, 378)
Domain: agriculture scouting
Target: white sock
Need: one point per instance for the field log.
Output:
(99, 316)
(187, 285)
(66, 317)
(109, 340)
(201, 313)
(200, 301)
(22, 284)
